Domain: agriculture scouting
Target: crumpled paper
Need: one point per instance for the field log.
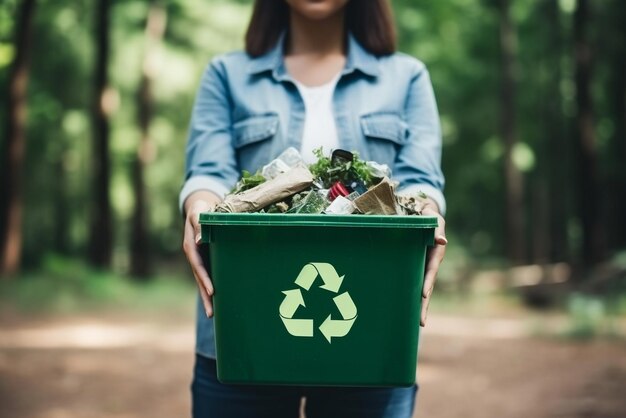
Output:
(378, 200)
(340, 206)
(411, 205)
(272, 191)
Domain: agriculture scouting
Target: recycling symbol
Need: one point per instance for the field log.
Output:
(330, 328)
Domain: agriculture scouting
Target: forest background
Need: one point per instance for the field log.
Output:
(529, 313)
(96, 103)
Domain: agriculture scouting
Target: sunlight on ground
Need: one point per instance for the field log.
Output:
(104, 335)
(134, 366)
(100, 335)
(477, 328)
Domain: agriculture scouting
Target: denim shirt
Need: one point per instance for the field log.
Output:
(248, 110)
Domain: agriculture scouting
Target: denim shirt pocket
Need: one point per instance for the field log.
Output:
(385, 133)
(253, 138)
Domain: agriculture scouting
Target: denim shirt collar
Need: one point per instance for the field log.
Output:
(358, 59)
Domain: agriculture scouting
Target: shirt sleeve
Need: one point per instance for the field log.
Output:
(210, 162)
(418, 164)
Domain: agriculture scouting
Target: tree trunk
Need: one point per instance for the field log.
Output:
(617, 179)
(558, 155)
(13, 154)
(589, 194)
(516, 239)
(622, 139)
(540, 225)
(61, 209)
(101, 234)
(140, 240)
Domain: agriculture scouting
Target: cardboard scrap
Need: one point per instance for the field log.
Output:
(272, 191)
(378, 200)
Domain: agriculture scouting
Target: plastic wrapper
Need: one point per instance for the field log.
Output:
(314, 202)
(274, 168)
(275, 190)
(357, 186)
(289, 158)
(352, 196)
(377, 170)
(340, 206)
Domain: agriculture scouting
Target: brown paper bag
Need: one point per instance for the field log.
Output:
(272, 191)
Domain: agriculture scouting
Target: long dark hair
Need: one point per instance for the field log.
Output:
(370, 21)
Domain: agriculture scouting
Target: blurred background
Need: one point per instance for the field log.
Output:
(97, 302)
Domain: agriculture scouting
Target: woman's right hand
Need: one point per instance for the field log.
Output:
(196, 204)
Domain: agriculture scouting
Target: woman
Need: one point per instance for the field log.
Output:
(315, 73)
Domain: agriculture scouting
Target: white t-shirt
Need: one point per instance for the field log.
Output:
(319, 123)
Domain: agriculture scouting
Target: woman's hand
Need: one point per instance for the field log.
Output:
(196, 204)
(434, 257)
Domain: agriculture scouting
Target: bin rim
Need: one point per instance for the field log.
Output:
(352, 221)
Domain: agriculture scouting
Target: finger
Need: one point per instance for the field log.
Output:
(441, 240)
(197, 230)
(205, 286)
(424, 313)
(193, 256)
(440, 232)
(197, 266)
(441, 222)
(206, 299)
(435, 256)
(200, 272)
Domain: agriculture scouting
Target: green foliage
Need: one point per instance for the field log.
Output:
(329, 172)
(360, 170)
(590, 317)
(58, 166)
(65, 286)
(322, 165)
(456, 39)
(248, 181)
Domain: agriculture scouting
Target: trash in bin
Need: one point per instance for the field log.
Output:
(343, 174)
(284, 162)
(272, 191)
(337, 189)
(378, 200)
(313, 202)
(340, 206)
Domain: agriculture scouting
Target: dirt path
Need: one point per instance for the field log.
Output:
(131, 368)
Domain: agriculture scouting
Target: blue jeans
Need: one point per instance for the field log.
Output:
(212, 399)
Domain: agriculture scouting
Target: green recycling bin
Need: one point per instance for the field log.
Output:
(330, 300)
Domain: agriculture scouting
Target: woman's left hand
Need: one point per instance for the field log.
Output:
(434, 257)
